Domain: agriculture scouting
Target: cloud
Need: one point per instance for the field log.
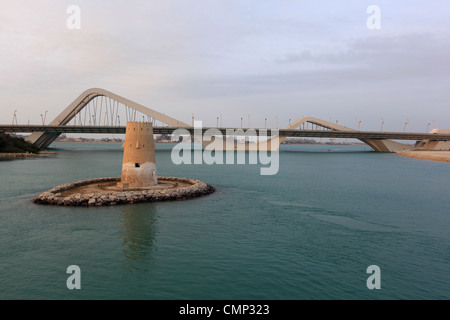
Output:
(204, 54)
(396, 56)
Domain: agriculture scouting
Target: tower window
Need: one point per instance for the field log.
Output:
(137, 165)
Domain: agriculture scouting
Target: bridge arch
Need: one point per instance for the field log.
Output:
(380, 145)
(44, 139)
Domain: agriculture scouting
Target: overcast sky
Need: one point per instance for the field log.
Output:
(232, 57)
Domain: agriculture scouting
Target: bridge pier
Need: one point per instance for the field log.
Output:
(383, 145)
(42, 139)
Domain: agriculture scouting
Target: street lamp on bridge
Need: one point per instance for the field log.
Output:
(14, 118)
(358, 122)
(43, 117)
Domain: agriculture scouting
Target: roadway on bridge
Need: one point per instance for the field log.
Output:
(351, 134)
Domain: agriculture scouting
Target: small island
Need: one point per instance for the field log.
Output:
(138, 182)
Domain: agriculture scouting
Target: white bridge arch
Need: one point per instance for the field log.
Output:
(273, 143)
(380, 145)
(44, 139)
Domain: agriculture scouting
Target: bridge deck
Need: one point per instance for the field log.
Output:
(282, 132)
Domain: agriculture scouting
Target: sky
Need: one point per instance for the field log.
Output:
(270, 59)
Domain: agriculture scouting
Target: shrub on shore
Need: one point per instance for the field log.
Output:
(10, 144)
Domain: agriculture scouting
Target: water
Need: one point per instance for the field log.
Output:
(309, 232)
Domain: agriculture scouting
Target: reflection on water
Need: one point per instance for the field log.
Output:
(138, 232)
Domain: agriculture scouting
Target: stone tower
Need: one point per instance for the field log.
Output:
(139, 166)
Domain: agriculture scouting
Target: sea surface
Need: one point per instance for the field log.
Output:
(308, 232)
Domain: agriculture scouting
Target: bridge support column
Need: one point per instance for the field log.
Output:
(380, 145)
(42, 139)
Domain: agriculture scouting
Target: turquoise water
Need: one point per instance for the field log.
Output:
(308, 232)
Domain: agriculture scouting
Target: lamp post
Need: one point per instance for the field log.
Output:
(241, 122)
(404, 127)
(428, 125)
(265, 123)
(14, 117)
(289, 122)
(118, 118)
(217, 122)
(45, 116)
(382, 125)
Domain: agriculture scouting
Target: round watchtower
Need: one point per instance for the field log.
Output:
(139, 166)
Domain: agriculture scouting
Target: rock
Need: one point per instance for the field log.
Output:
(195, 188)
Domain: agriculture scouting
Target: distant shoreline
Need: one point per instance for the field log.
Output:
(175, 142)
(87, 141)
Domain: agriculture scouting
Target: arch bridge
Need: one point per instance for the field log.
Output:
(96, 107)
(98, 111)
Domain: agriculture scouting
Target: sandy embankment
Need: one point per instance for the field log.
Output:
(443, 156)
